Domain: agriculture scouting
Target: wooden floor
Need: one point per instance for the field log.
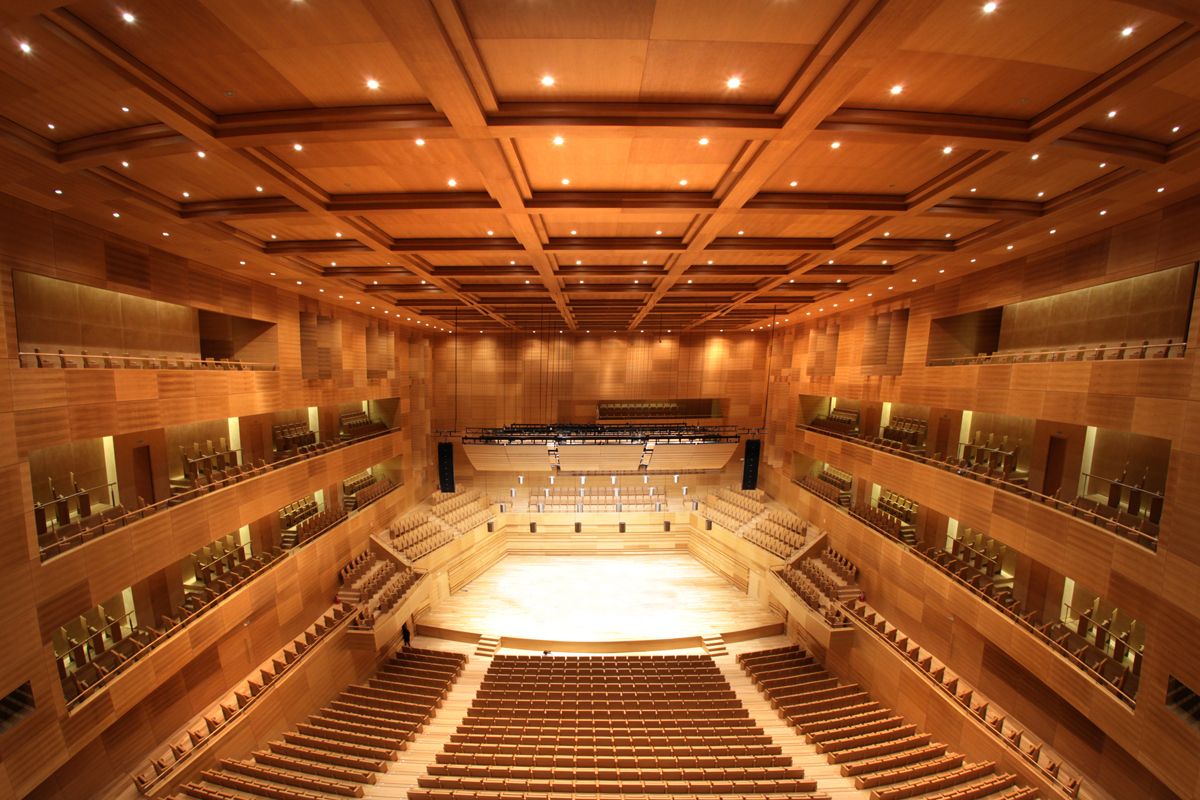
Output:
(598, 599)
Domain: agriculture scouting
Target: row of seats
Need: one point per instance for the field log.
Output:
(364, 497)
(293, 513)
(843, 427)
(897, 505)
(727, 509)
(145, 361)
(645, 503)
(403, 534)
(769, 543)
(444, 503)
(359, 424)
(741, 500)
(342, 747)
(785, 536)
(291, 435)
(889, 524)
(908, 430)
(979, 550)
(541, 727)
(354, 484)
(1101, 352)
(865, 739)
(826, 491)
(812, 595)
(789, 521)
(312, 527)
(375, 585)
(966, 695)
(428, 545)
(469, 515)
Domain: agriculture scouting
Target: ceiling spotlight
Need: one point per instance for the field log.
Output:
(740, 233)
(243, 263)
(372, 84)
(1112, 114)
(297, 147)
(1103, 165)
(1162, 189)
(1175, 129)
(940, 271)
(25, 48)
(897, 89)
(973, 260)
(127, 17)
(547, 81)
(115, 214)
(947, 236)
(887, 233)
(1041, 194)
(1127, 31)
(299, 283)
(1102, 213)
(689, 281)
(166, 234)
(48, 125)
(577, 263)
(339, 235)
(125, 108)
(704, 141)
(565, 181)
(272, 273)
(452, 182)
(1034, 157)
(989, 8)
(636, 281)
(581, 281)
(558, 140)
(1010, 247)
(258, 188)
(914, 280)
(420, 142)
(1054, 230)
(658, 233)
(793, 183)
(272, 236)
(512, 262)
(201, 154)
(733, 83)
(124, 163)
(185, 194)
(683, 183)
(947, 150)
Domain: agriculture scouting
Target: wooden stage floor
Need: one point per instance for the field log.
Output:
(598, 599)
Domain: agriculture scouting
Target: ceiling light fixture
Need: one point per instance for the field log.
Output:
(420, 142)
(1175, 129)
(127, 17)
(1127, 31)
(125, 109)
(558, 140)
(683, 183)
(547, 81)
(565, 181)
(258, 188)
(989, 8)
(48, 125)
(1162, 189)
(452, 182)
(25, 48)
(1054, 230)
(733, 83)
(372, 84)
(1102, 213)
(297, 147)
(115, 214)
(793, 183)
(201, 154)
(1112, 114)
(124, 163)
(704, 141)
(1034, 157)
(897, 89)
(185, 194)
(835, 145)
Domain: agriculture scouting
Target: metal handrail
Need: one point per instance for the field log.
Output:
(1016, 488)
(1063, 355)
(152, 362)
(140, 513)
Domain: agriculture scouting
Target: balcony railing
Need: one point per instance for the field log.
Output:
(1082, 353)
(61, 360)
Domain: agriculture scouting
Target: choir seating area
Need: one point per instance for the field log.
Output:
(598, 499)
(343, 747)
(731, 509)
(417, 535)
(609, 726)
(865, 739)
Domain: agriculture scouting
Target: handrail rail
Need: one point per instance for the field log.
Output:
(1048, 355)
(1137, 537)
(146, 786)
(182, 499)
(858, 621)
(152, 362)
(1080, 663)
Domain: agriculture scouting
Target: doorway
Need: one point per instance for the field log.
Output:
(143, 474)
(1056, 460)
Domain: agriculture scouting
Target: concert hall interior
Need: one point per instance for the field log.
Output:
(599, 399)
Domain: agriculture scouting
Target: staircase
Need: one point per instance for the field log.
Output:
(714, 645)
(402, 775)
(488, 645)
(828, 777)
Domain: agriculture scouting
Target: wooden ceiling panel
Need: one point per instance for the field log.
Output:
(1075, 34)
(432, 225)
(787, 226)
(292, 229)
(1151, 114)
(336, 75)
(546, 164)
(564, 19)
(861, 167)
(720, 152)
(385, 166)
(584, 70)
(954, 83)
(756, 21)
(933, 228)
(698, 72)
(1052, 174)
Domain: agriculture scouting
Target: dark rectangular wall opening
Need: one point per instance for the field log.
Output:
(225, 337)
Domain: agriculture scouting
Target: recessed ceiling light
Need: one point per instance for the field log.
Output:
(1112, 114)
(637, 281)
(947, 149)
(512, 262)
(243, 263)
(422, 282)
(704, 141)
(689, 281)
(914, 280)
(258, 188)
(658, 233)
(566, 181)
(201, 154)
(1102, 213)
(683, 183)
(940, 271)
(272, 236)
(733, 83)
(547, 81)
(645, 262)
(581, 281)
(185, 194)
(1127, 31)
(793, 183)
(835, 145)
(272, 273)
(1175, 129)
(870, 294)
(333, 263)
(297, 147)
(1054, 230)
(886, 233)
(1010, 247)
(972, 190)
(1102, 166)
(299, 283)
(1041, 194)
(947, 236)
(452, 182)
(740, 233)
(1034, 157)
(372, 84)
(885, 262)
(1162, 188)
(25, 48)
(579, 262)
(48, 125)
(897, 89)
(989, 8)
(973, 260)
(166, 234)
(125, 108)
(420, 142)
(127, 17)
(124, 163)
(115, 214)
(527, 281)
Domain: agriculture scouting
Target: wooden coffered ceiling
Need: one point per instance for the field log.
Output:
(407, 156)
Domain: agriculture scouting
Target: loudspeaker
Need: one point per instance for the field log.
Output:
(492, 525)
(446, 466)
(666, 524)
(533, 527)
(622, 526)
(579, 527)
(750, 469)
(708, 524)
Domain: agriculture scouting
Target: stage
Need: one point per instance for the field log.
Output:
(599, 604)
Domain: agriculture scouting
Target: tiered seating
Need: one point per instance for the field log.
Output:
(293, 513)
(354, 484)
(312, 526)
(359, 424)
(897, 505)
(726, 514)
(779, 533)
(1149, 348)
(54, 541)
(444, 503)
(835, 478)
(543, 727)
(743, 501)
(376, 585)
(826, 491)
(982, 552)
(376, 490)
(958, 689)
(642, 498)
(292, 435)
(596, 499)
(838, 421)
(470, 515)
(417, 535)
(872, 745)
(824, 583)
(907, 430)
(342, 747)
(884, 522)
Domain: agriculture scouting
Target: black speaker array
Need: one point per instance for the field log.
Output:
(446, 466)
(750, 469)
